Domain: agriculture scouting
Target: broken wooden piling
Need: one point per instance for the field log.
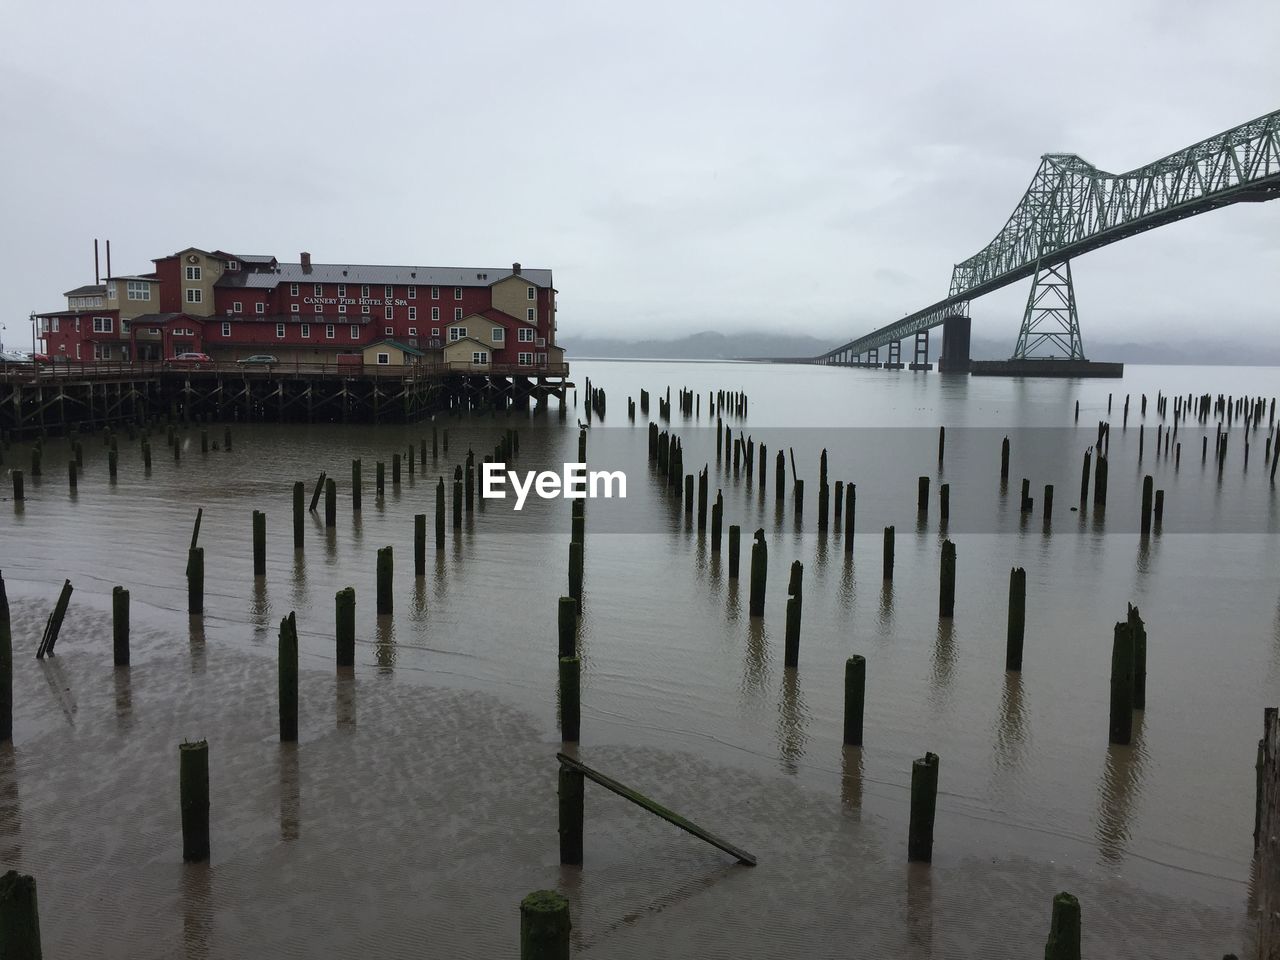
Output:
(791, 650)
(259, 543)
(344, 603)
(1017, 619)
(855, 694)
(120, 626)
(19, 917)
(924, 802)
(6, 668)
(570, 694)
(287, 675)
(1122, 662)
(545, 925)
(888, 552)
(384, 571)
(54, 624)
(947, 581)
(193, 792)
(1064, 929)
(759, 574)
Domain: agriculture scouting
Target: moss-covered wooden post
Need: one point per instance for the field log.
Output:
(195, 581)
(120, 626)
(888, 552)
(576, 569)
(735, 550)
(924, 803)
(947, 581)
(259, 543)
(356, 484)
(299, 513)
(193, 790)
(1139, 631)
(6, 668)
(1017, 619)
(384, 570)
(19, 493)
(567, 626)
(20, 918)
(1121, 721)
(1064, 929)
(570, 692)
(855, 695)
(344, 603)
(759, 574)
(570, 797)
(544, 924)
(330, 503)
(287, 669)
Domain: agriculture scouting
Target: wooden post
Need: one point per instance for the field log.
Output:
(735, 549)
(395, 469)
(1004, 460)
(259, 543)
(799, 498)
(299, 494)
(544, 920)
(888, 553)
(20, 918)
(1064, 929)
(356, 484)
(226, 439)
(780, 477)
(947, 581)
(344, 603)
(850, 501)
(576, 570)
(570, 691)
(18, 493)
(944, 502)
(702, 499)
(146, 454)
(330, 503)
(759, 574)
(922, 496)
(71, 475)
(1158, 512)
(1138, 629)
(195, 581)
(1084, 477)
(457, 497)
(924, 802)
(384, 570)
(855, 694)
(1121, 726)
(287, 663)
(35, 461)
(571, 790)
(1017, 619)
(6, 668)
(791, 650)
(379, 478)
(435, 441)
(1100, 469)
(439, 513)
(1048, 502)
(119, 626)
(315, 494)
(419, 544)
(567, 626)
(942, 443)
(193, 789)
(1147, 484)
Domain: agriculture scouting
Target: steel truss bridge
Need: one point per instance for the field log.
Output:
(1072, 207)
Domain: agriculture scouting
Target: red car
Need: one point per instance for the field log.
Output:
(190, 359)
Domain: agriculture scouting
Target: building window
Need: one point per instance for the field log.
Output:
(499, 335)
(293, 308)
(530, 293)
(329, 331)
(524, 359)
(457, 333)
(389, 290)
(457, 313)
(457, 293)
(77, 324)
(342, 289)
(413, 313)
(480, 356)
(102, 351)
(435, 332)
(384, 358)
(532, 314)
(100, 324)
(364, 290)
(280, 331)
(413, 293)
(388, 313)
(226, 329)
(319, 290)
(137, 290)
(342, 308)
(355, 332)
(78, 357)
(413, 331)
(111, 290)
(319, 309)
(236, 307)
(233, 264)
(193, 273)
(194, 295)
(389, 331)
(293, 289)
(525, 335)
(259, 308)
(365, 309)
(435, 293)
(306, 330)
(542, 359)
(435, 313)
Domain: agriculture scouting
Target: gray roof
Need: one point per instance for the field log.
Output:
(378, 274)
(87, 291)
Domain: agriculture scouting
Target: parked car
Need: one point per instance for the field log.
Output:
(15, 356)
(259, 358)
(190, 359)
(41, 358)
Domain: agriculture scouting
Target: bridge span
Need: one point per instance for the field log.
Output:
(1070, 208)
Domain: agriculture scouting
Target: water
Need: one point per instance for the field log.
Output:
(683, 694)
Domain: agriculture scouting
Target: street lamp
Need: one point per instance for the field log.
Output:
(33, 333)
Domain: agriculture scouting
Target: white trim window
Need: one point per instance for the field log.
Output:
(342, 308)
(435, 313)
(413, 292)
(457, 333)
(318, 289)
(384, 359)
(330, 332)
(102, 351)
(531, 293)
(306, 331)
(524, 359)
(137, 290)
(233, 265)
(457, 293)
(364, 290)
(413, 313)
(457, 313)
(194, 295)
(480, 357)
(413, 331)
(77, 324)
(532, 314)
(100, 325)
(293, 308)
(226, 328)
(388, 313)
(498, 335)
(78, 357)
(389, 331)
(525, 335)
(342, 289)
(435, 332)
(279, 331)
(259, 308)
(293, 289)
(111, 290)
(435, 293)
(319, 308)
(355, 332)
(237, 307)
(364, 309)
(193, 273)
(389, 291)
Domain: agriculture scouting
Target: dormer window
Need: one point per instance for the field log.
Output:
(233, 264)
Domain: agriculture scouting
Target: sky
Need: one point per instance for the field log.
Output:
(816, 167)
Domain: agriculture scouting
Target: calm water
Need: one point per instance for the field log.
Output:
(672, 662)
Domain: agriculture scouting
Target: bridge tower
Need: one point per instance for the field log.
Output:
(1050, 326)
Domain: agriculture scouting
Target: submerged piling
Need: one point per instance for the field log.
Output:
(1017, 619)
(193, 790)
(544, 915)
(735, 549)
(299, 512)
(259, 543)
(924, 802)
(1064, 929)
(570, 693)
(855, 692)
(947, 581)
(1122, 661)
(330, 503)
(384, 571)
(119, 627)
(287, 670)
(888, 552)
(419, 544)
(759, 574)
(20, 918)
(195, 581)
(344, 603)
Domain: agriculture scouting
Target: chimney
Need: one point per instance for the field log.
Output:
(515, 268)
(108, 259)
(306, 261)
(97, 273)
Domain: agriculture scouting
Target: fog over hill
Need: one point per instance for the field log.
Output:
(711, 345)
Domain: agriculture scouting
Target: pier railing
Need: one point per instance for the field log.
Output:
(146, 369)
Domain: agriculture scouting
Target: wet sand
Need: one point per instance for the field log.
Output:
(411, 819)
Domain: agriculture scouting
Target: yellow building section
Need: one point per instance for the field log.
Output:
(515, 296)
(197, 273)
(468, 353)
(133, 296)
(390, 353)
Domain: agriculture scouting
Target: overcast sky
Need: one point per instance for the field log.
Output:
(680, 166)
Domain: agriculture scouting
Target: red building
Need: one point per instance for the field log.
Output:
(232, 306)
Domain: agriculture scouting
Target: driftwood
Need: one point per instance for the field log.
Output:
(55, 623)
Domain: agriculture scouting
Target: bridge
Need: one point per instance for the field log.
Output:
(1070, 208)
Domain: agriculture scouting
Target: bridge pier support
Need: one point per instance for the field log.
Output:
(955, 344)
(921, 361)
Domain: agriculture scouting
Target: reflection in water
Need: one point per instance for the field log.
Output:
(385, 645)
(885, 618)
(10, 809)
(732, 604)
(851, 780)
(290, 793)
(920, 909)
(197, 910)
(418, 608)
(944, 661)
(124, 699)
(442, 566)
(195, 628)
(357, 527)
(1121, 785)
(755, 659)
(299, 593)
(793, 721)
(260, 609)
(331, 544)
(848, 591)
(1011, 730)
(60, 685)
(345, 698)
